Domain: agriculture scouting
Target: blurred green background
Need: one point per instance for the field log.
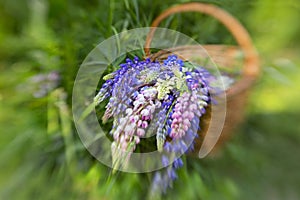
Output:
(41, 156)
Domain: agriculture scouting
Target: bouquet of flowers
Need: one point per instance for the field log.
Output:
(149, 98)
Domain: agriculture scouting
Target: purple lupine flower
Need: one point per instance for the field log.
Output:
(173, 61)
(116, 77)
(183, 113)
(132, 126)
(42, 84)
(164, 127)
(164, 178)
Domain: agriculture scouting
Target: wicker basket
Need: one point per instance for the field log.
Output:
(222, 55)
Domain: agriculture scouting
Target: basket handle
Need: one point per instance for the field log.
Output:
(251, 61)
